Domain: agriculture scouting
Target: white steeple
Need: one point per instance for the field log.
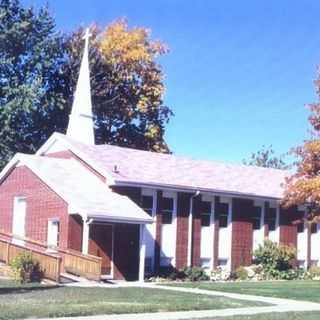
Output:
(81, 120)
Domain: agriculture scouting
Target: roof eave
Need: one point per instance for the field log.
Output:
(180, 188)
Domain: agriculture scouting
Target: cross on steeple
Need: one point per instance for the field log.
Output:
(86, 37)
(81, 120)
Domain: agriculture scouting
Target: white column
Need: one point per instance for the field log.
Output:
(85, 237)
(142, 253)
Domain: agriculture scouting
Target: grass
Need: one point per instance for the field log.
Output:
(38, 301)
(297, 290)
(275, 316)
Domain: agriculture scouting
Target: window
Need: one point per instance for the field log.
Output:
(313, 228)
(205, 263)
(256, 218)
(223, 215)
(271, 219)
(53, 233)
(167, 210)
(300, 227)
(205, 214)
(147, 204)
(19, 219)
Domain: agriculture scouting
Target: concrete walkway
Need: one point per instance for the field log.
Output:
(278, 305)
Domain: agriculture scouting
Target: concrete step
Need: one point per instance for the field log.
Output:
(70, 278)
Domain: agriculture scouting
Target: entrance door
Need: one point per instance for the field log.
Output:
(100, 245)
(19, 220)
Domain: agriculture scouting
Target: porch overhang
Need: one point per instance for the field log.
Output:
(105, 217)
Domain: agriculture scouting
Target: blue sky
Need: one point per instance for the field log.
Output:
(238, 75)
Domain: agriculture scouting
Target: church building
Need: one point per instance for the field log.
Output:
(142, 211)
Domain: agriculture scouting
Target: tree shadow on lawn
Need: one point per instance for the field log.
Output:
(16, 289)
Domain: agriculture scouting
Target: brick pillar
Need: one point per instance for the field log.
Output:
(196, 231)
(288, 230)
(157, 247)
(183, 210)
(242, 233)
(216, 232)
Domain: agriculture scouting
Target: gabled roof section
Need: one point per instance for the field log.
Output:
(125, 166)
(82, 190)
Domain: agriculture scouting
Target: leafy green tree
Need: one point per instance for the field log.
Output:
(267, 158)
(38, 73)
(32, 96)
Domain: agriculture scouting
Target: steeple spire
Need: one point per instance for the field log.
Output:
(81, 120)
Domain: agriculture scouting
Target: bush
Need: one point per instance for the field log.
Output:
(220, 274)
(25, 269)
(275, 259)
(314, 272)
(241, 273)
(195, 274)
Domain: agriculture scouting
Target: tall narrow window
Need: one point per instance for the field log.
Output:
(167, 210)
(223, 215)
(271, 219)
(313, 228)
(205, 214)
(147, 204)
(300, 227)
(256, 218)
(19, 218)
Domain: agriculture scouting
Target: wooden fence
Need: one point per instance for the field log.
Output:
(51, 264)
(81, 265)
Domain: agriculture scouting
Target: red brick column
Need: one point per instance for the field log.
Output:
(242, 233)
(288, 230)
(196, 231)
(183, 210)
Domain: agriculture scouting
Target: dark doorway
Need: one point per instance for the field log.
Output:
(126, 251)
(100, 245)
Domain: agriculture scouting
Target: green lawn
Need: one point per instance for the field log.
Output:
(298, 290)
(51, 301)
(275, 316)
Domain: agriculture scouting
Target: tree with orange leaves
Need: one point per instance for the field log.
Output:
(127, 85)
(303, 187)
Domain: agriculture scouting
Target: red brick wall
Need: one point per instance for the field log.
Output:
(196, 231)
(183, 211)
(42, 204)
(75, 232)
(242, 233)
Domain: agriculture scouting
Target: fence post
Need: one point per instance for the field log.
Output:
(7, 253)
(58, 269)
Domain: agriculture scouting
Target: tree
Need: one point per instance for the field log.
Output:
(38, 72)
(31, 90)
(303, 187)
(127, 85)
(266, 157)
